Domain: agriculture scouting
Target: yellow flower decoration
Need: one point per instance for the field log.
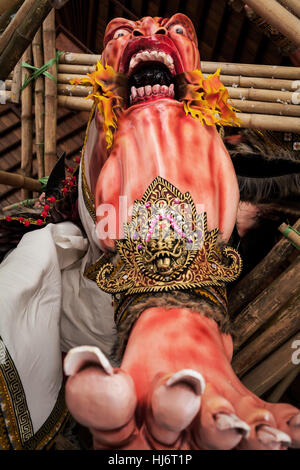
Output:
(106, 88)
(207, 100)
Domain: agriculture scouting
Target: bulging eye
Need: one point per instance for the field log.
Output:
(179, 29)
(120, 32)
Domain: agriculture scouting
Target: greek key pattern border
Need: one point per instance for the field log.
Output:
(13, 400)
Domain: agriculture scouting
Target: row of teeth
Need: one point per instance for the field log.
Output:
(157, 56)
(148, 90)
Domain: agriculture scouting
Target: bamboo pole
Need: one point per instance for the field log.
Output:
(267, 304)
(275, 96)
(79, 59)
(261, 275)
(270, 123)
(26, 123)
(75, 69)
(23, 36)
(15, 23)
(20, 181)
(49, 39)
(5, 18)
(70, 90)
(17, 205)
(283, 385)
(5, 4)
(261, 107)
(273, 369)
(16, 83)
(278, 17)
(285, 324)
(37, 49)
(290, 234)
(255, 82)
(75, 103)
(252, 70)
(293, 5)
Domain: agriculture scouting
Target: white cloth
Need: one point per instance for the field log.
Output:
(46, 305)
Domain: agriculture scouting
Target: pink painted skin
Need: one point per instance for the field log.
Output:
(175, 388)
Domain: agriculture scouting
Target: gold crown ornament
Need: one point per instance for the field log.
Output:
(167, 247)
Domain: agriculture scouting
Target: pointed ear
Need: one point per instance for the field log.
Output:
(181, 19)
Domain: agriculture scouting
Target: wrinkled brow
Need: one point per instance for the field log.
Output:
(115, 24)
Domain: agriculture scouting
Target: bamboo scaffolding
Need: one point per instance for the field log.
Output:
(273, 369)
(20, 181)
(16, 83)
(285, 324)
(49, 38)
(261, 276)
(23, 36)
(37, 49)
(26, 124)
(266, 304)
(15, 23)
(278, 17)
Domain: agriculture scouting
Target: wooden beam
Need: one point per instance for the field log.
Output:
(39, 102)
(49, 40)
(280, 389)
(267, 304)
(19, 181)
(15, 23)
(278, 17)
(23, 36)
(26, 123)
(6, 4)
(261, 276)
(273, 369)
(284, 325)
(293, 5)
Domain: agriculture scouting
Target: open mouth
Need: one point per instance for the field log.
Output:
(151, 71)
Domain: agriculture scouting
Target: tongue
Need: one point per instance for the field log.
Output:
(154, 139)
